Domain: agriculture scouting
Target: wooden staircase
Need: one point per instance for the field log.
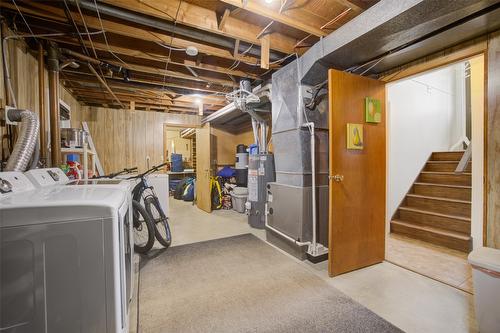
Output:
(437, 209)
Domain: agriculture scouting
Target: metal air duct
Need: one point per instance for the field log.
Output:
(26, 144)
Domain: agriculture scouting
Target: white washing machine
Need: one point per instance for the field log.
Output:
(54, 176)
(65, 259)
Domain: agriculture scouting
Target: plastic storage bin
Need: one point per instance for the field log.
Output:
(173, 184)
(176, 163)
(239, 198)
(486, 276)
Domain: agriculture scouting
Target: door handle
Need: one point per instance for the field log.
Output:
(337, 178)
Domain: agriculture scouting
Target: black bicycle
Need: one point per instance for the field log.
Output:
(143, 223)
(161, 228)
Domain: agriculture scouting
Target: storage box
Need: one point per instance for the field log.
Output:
(238, 201)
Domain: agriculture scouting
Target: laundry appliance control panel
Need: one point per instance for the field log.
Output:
(13, 182)
(47, 177)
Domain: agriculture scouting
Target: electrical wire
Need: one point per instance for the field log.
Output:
(170, 48)
(283, 59)
(57, 34)
(22, 16)
(375, 64)
(86, 30)
(101, 77)
(72, 21)
(171, 42)
(105, 37)
(4, 60)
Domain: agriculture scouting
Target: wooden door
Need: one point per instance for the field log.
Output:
(203, 168)
(357, 176)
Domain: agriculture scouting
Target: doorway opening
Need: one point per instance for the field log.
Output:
(179, 147)
(435, 171)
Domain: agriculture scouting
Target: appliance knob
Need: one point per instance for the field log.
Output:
(5, 186)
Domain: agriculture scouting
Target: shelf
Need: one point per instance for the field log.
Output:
(76, 151)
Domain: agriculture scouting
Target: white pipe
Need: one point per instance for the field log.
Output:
(283, 234)
(219, 113)
(313, 181)
(312, 244)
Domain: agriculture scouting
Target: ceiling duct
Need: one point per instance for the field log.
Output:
(395, 32)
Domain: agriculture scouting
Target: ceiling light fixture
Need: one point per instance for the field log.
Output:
(269, 1)
(192, 51)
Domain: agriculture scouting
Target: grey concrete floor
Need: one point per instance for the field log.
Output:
(410, 301)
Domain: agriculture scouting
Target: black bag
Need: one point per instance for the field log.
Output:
(179, 190)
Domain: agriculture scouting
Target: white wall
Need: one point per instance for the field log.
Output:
(422, 118)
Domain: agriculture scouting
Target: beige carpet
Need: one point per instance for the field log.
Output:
(242, 284)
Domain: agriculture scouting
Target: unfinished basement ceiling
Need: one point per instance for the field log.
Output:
(141, 44)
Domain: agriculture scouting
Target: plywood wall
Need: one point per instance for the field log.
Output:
(226, 143)
(23, 69)
(125, 138)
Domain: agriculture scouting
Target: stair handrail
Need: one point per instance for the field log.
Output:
(464, 160)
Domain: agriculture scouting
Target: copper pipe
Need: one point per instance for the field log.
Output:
(55, 130)
(81, 57)
(41, 102)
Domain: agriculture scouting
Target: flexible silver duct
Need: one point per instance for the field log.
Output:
(27, 140)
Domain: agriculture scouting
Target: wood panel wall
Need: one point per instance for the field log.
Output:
(125, 138)
(122, 137)
(493, 148)
(23, 69)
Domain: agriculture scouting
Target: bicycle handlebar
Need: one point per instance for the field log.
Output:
(153, 169)
(113, 175)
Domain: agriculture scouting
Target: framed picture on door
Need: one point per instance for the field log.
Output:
(355, 136)
(373, 110)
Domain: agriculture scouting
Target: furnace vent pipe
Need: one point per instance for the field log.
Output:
(26, 144)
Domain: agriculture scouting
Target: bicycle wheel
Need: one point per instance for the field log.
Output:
(162, 228)
(144, 233)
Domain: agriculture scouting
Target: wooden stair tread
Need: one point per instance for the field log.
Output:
(428, 212)
(443, 185)
(444, 161)
(446, 173)
(449, 152)
(439, 231)
(437, 198)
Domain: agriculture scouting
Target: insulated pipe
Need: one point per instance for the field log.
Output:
(41, 105)
(27, 139)
(169, 27)
(219, 113)
(55, 130)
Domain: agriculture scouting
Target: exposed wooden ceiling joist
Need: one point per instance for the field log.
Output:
(206, 19)
(138, 99)
(124, 29)
(141, 45)
(292, 20)
(153, 86)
